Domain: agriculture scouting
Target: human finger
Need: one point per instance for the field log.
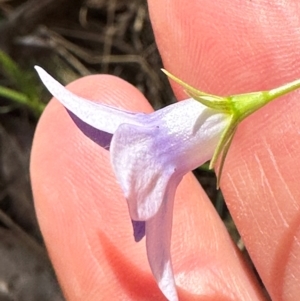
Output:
(86, 225)
(229, 47)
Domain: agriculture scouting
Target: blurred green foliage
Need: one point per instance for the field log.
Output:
(24, 88)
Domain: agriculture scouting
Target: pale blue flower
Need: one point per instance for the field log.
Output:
(150, 153)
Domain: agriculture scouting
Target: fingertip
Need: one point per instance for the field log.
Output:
(236, 48)
(262, 191)
(227, 49)
(76, 195)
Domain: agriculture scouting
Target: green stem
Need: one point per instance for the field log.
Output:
(14, 95)
(274, 93)
(22, 99)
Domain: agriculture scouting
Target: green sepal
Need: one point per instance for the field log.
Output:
(211, 101)
(237, 107)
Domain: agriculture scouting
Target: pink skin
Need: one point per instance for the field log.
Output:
(219, 48)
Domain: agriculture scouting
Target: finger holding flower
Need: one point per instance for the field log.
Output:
(225, 81)
(150, 153)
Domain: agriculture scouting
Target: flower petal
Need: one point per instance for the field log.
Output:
(139, 228)
(158, 240)
(99, 116)
(173, 140)
(142, 172)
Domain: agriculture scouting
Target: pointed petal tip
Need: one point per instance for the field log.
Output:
(36, 67)
(40, 71)
(167, 283)
(158, 240)
(47, 80)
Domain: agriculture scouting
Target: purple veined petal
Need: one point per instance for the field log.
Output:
(99, 116)
(173, 141)
(158, 241)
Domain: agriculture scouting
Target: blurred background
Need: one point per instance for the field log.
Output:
(69, 39)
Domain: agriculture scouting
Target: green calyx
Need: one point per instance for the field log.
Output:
(237, 107)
